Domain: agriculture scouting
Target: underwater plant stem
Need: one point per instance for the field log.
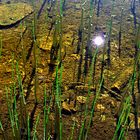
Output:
(72, 132)
(45, 99)
(2, 130)
(46, 114)
(41, 8)
(136, 74)
(58, 115)
(9, 111)
(93, 106)
(23, 49)
(133, 11)
(120, 34)
(35, 127)
(88, 39)
(81, 29)
(109, 34)
(28, 128)
(123, 119)
(23, 113)
(35, 57)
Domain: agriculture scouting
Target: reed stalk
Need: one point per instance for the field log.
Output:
(35, 127)
(46, 114)
(109, 34)
(72, 131)
(28, 128)
(123, 119)
(58, 115)
(3, 131)
(120, 34)
(35, 56)
(23, 48)
(87, 53)
(23, 114)
(97, 95)
(10, 112)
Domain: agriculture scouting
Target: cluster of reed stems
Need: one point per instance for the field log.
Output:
(19, 117)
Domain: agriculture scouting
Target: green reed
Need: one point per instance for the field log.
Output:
(1, 127)
(2, 130)
(138, 63)
(72, 131)
(125, 108)
(81, 135)
(22, 47)
(13, 94)
(46, 114)
(35, 127)
(45, 111)
(122, 122)
(58, 115)
(28, 128)
(60, 23)
(12, 110)
(23, 114)
(97, 95)
(82, 130)
(136, 75)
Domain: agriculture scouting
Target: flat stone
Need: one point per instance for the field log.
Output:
(12, 13)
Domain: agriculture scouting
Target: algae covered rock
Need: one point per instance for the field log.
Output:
(13, 13)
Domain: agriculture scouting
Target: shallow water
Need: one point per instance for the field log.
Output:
(41, 47)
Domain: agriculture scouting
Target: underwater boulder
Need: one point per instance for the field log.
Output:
(11, 14)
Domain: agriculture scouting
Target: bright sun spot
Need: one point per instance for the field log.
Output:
(98, 41)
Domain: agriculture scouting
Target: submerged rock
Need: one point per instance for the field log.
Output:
(68, 109)
(13, 13)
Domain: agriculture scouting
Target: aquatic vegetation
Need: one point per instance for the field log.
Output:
(120, 34)
(85, 85)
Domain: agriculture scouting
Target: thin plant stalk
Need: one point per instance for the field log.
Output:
(93, 105)
(87, 53)
(28, 128)
(109, 33)
(10, 112)
(46, 114)
(120, 34)
(2, 129)
(58, 116)
(23, 114)
(35, 127)
(72, 131)
(35, 57)
(45, 110)
(23, 48)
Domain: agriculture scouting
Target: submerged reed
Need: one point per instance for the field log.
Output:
(23, 121)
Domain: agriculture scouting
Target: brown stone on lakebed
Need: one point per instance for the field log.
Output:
(122, 80)
(13, 13)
